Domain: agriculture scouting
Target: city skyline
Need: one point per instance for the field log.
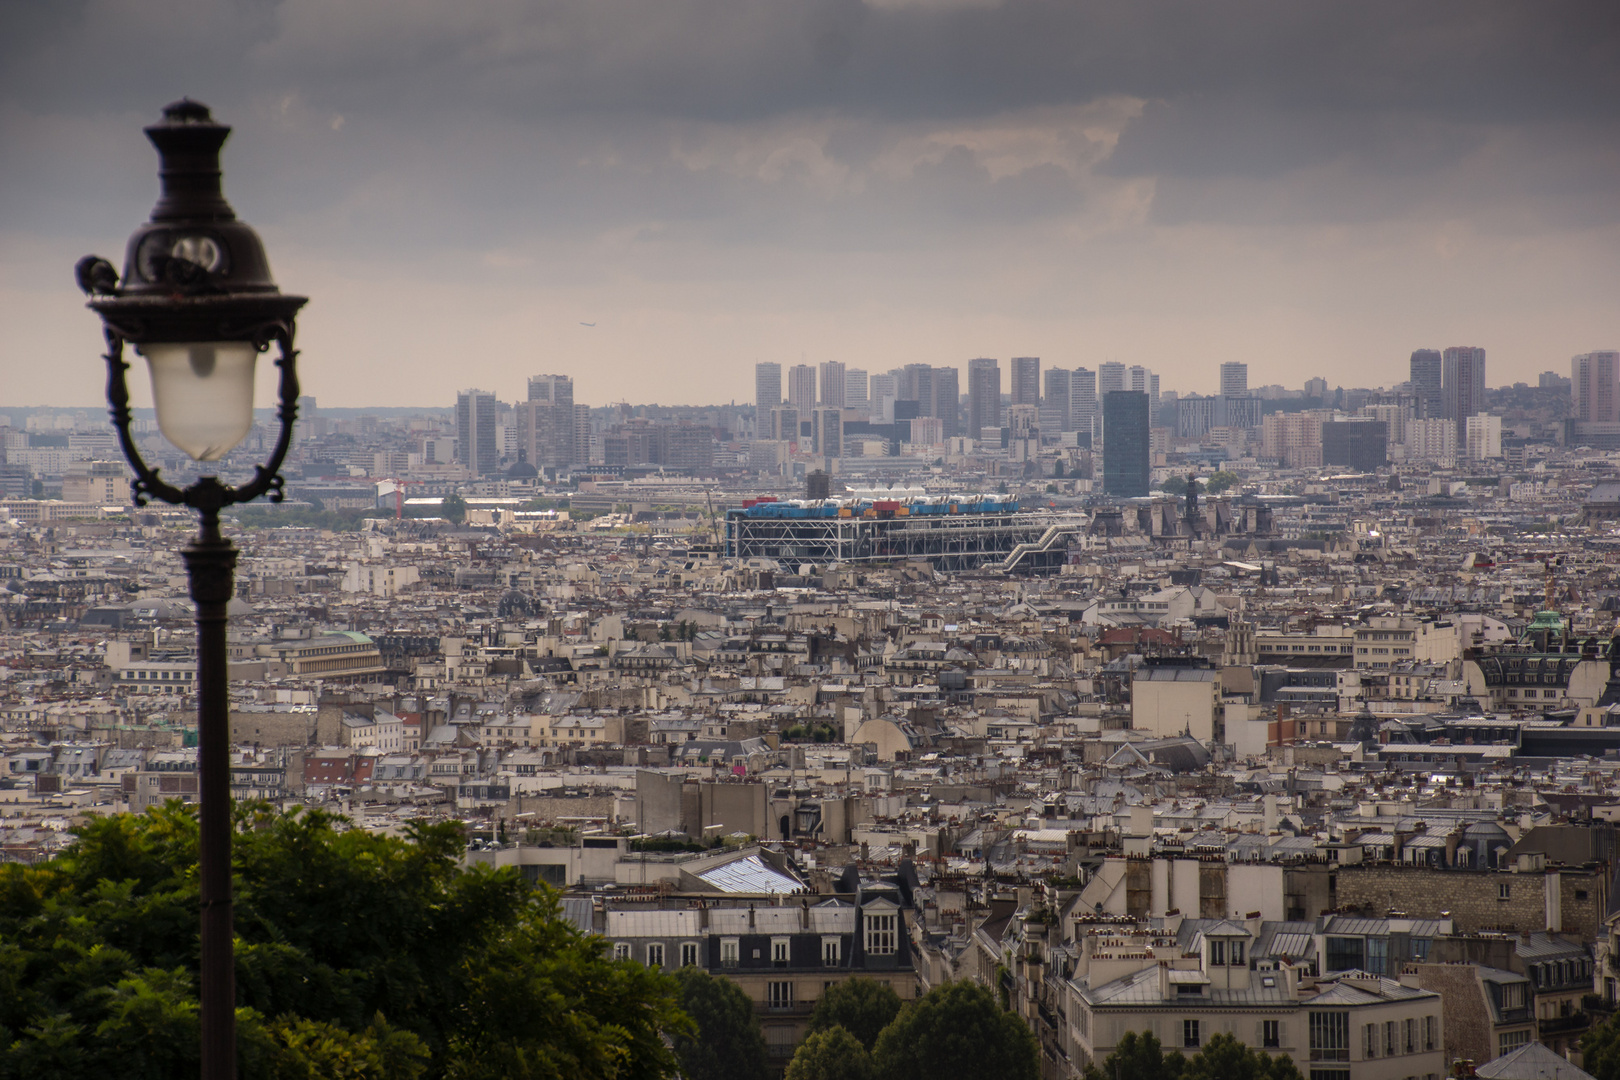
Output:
(820, 184)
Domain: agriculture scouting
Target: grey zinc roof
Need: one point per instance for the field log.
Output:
(652, 924)
(750, 874)
(1532, 1061)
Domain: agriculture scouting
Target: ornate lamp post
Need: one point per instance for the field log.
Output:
(197, 301)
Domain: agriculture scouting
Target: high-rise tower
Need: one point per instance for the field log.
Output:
(1463, 375)
(802, 388)
(1026, 380)
(1426, 383)
(984, 395)
(1234, 379)
(767, 387)
(476, 444)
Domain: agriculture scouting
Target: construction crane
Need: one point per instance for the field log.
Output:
(714, 522)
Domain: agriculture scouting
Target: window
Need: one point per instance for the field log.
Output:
(1389, 1037)
(1330, 1074)
(728, 952)
(1411, 1036)
(1369, 1046)
(1237, 954)
(1509, 1041)
(1428, 1032)
(1189, 1033)
(779, 951)
(1420, 948)
(689, 953)
(880, 935)
(655, 954)
(1504, 890)
(1217, 953)
(621, 950)
(1377, 955)
(829, 951)
(1271, 1033)
(781, 995)
(1344, 953)
(1330, 1036)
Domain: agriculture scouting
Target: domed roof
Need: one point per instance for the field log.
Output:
(522, 470)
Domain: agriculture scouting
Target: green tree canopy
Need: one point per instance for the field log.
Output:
(956, 1030)
(1600, 1050)
(1138, 1056)
(862, 1007)
(831, 1054)
(453, 508)
(1224, 1058)
(726, 1043)
(357, 955)
(1174, 485)
(1221, 481)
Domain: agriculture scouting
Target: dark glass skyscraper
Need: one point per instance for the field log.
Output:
(984, 395)
(1425, 378)
(1127, 427)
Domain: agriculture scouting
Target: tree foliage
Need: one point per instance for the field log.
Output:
(831, 1054)
(1174, 485)
(358, 956)
(862, 1007)
(725, 1043)
(1139, 1056)
(956, 1030)
(1222, 480)
(1600, 1049)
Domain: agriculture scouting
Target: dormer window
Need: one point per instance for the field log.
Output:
(881, 935)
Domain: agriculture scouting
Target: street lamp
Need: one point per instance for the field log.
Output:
(197, 301)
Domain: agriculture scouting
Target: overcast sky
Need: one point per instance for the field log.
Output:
(1314, 188)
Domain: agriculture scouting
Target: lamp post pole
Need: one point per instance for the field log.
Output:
(197, 300)
(210, 567)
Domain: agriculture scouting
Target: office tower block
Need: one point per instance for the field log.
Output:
(984, 395)
(784, 424)
(1595, 386)
(767, 387)
(1294, 439)
(917, 384)
(546, 423)
(1463, 384)
(832, 384)
(1055, 403)
(1083, 403)
(855, 384)
(1127, 434)
(585, 448)
(947, 400)
(1234, 379)
(829, 433)
(1433, 439)
(802, 388)
(1026, 380)
(1358, 444)
(1142, 379)
(881, 393)
(1426, 383)
(1110, 377)
(476, 447)
(1482, 437)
